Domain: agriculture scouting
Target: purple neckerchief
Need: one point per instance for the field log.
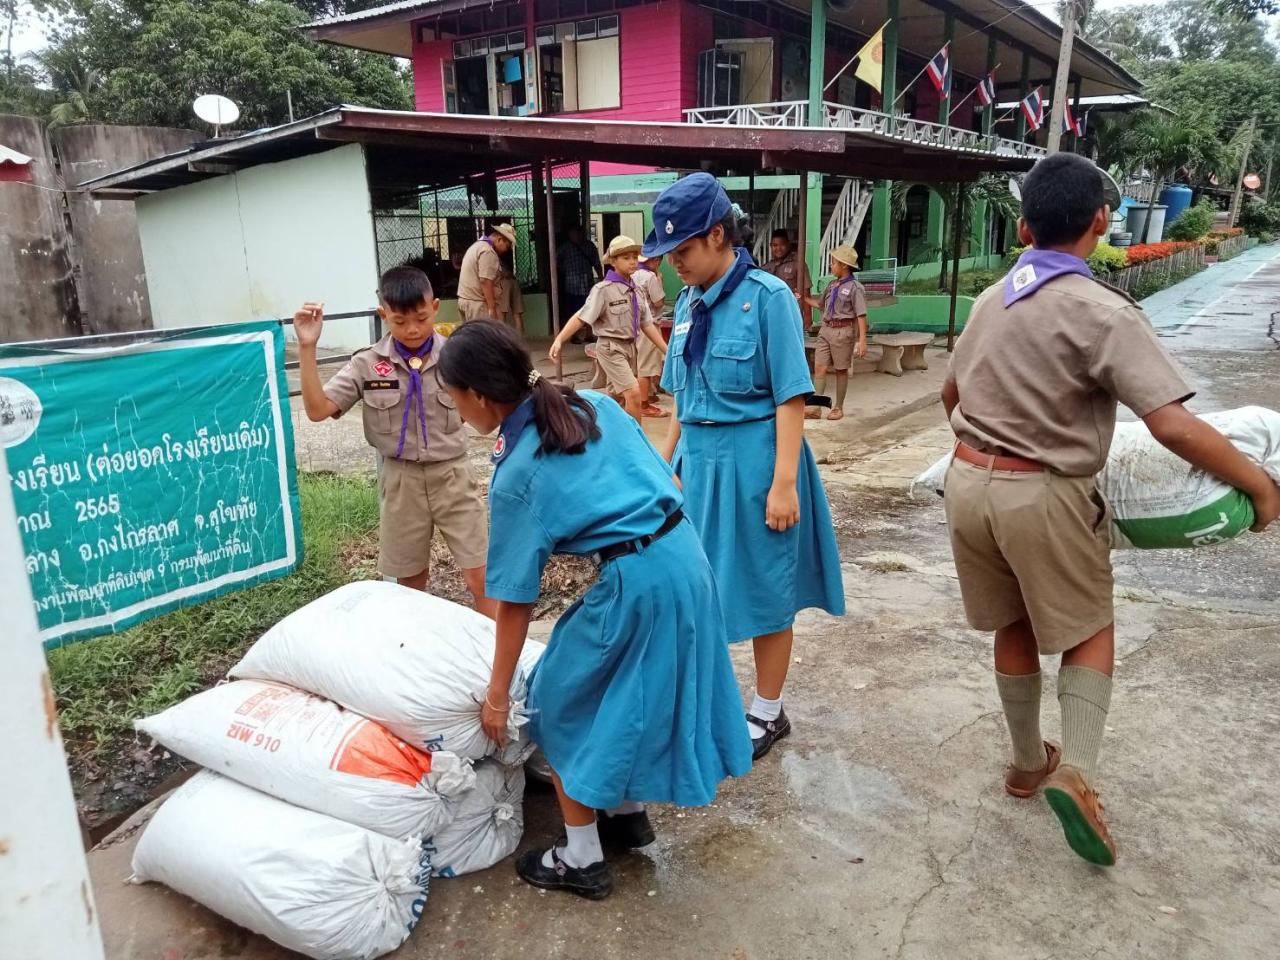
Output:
(415, 389)
(630, 284)
(835, 291)
(1035, 268)
(644, 266)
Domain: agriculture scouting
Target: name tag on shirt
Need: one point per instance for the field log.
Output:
(846, 292)
(619, 303)
(680, 328)
(381, 385)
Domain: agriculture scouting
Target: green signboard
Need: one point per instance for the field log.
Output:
(150, 475)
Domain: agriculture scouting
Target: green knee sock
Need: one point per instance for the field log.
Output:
(1020, 696)
(1084, 696)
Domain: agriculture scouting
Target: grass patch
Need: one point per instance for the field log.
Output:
(972, 283)
(104, 684)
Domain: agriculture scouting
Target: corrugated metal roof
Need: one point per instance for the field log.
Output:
(374, 12)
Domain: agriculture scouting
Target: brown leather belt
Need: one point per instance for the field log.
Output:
(992, 462)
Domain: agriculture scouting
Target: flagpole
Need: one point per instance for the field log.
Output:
(840, 72)
(907, 88)
(990, 74)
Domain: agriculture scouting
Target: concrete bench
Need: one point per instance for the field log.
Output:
(902, 351)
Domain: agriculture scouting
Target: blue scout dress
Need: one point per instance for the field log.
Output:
(635, 698)
(754, 362)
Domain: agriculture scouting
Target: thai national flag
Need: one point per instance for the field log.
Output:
(939, 70)
(1033, 109)
(1069, 124)
(986, 92)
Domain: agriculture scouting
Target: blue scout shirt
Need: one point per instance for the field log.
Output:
(755, 358)
(618, 489)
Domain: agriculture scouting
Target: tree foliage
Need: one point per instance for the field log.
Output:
(145, 61)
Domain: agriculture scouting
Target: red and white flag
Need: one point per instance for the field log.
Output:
(1069, 122)
(939, 70)
(1033, 109)
(986, 92)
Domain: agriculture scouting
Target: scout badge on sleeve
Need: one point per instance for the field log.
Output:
(515, 424)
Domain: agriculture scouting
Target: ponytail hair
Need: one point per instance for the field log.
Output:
(736, 224)
(493, 360)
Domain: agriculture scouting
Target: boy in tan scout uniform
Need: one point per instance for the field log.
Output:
(412, 421)
(479, 277)
(618, 314)
(1031, 394)
(649, 359)
(844, 330)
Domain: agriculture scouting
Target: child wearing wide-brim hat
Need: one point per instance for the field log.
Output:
(843, 335)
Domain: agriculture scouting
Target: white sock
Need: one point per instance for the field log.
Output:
(624, 808)
(765, 710)
(583, 847)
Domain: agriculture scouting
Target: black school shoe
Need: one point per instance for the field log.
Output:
(774, 730)
(631, 830)
(594, 881)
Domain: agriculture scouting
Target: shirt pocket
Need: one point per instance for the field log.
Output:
(379, 411)
(674, 370)
(449, 410)
(730, 367)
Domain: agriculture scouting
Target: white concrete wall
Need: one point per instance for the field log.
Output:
(256, 244)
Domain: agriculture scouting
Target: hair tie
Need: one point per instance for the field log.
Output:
(534, 377)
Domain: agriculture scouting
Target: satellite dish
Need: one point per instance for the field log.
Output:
(216, 109)
(1252, 181)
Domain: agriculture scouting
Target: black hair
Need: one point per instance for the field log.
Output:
(492, 359)
(404, 288)
(737, 228)
(781, 234)
(1060, 197)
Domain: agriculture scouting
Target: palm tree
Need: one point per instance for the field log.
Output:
(1166, 145)
(988, 190)
(72, 78)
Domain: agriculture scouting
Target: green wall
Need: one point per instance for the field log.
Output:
(919, 314)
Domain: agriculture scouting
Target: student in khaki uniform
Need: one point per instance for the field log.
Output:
(618, 314)
(785, 265)
(510, 299)
(1031, 394)
(649, 358)
(480, 275)
(410, 419)
(843, 335)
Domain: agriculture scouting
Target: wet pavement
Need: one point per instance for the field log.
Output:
(879, 828)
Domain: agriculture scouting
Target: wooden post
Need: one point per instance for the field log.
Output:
(554, 298)
(1063, 76)
(1244, 166)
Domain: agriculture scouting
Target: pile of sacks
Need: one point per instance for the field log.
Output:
(345, 765)
(1157, 499)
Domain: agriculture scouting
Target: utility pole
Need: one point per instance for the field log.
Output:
(1063, 76)
(1244, 166)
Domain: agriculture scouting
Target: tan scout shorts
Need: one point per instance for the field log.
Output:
(473, 310)
(1034, 545)
(834, 349)
(649, 358)
(419, 498)
(615, 365)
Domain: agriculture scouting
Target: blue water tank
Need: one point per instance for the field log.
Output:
(1177, 198)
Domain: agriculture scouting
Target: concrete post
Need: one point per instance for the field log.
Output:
(813, 181)
(980, 238)
(935, 229)
(46, 905)
(1063, 75)
(881, 201)
(1022, 92)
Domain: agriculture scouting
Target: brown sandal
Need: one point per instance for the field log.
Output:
(836, 414)
(1023, 784)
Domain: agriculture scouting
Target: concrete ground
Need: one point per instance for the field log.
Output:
(879, 828)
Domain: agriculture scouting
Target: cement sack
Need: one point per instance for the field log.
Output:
(313, 753)
(327, 889)
(1157, 499)
(416, 664)
(487, 826)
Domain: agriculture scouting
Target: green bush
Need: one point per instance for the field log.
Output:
(1194, 223)
(1105, 259)
(974, 283)
(1258, 218)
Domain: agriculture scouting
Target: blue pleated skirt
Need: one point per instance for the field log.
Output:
(764, 577)
(635, 697)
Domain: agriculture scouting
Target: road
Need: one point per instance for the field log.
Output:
(880, 829)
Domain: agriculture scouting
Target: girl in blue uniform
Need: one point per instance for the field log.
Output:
(737, 370)
(634, 700)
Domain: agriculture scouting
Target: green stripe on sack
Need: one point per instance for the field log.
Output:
(1216, 522)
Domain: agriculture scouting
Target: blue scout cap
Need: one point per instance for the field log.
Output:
(688, 208)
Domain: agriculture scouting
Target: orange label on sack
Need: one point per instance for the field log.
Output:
(369, 750)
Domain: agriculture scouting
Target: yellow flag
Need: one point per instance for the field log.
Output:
(871, 60)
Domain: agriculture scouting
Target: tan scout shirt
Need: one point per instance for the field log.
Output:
(1040, 379)
(480, 262)
(379, 376)
(850, 301)
(608, 310)
(649, 282)
(785, 270)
